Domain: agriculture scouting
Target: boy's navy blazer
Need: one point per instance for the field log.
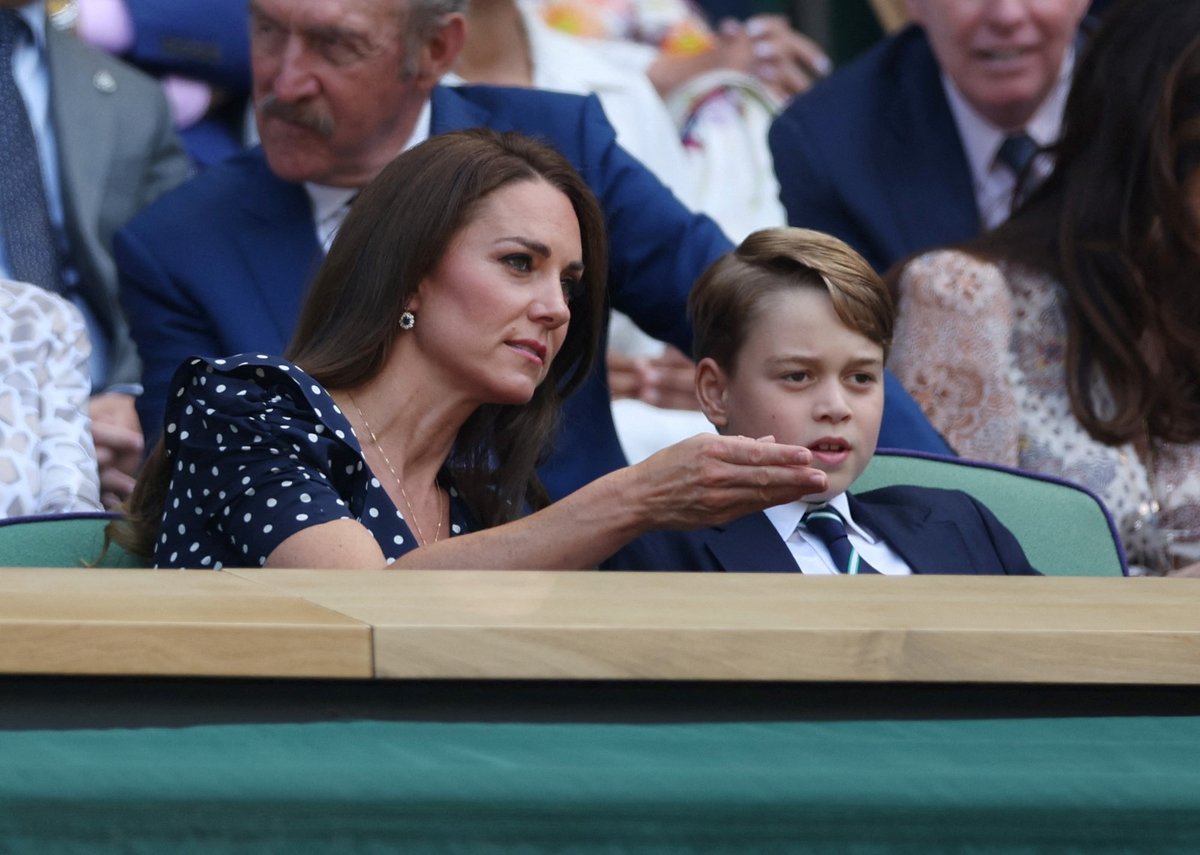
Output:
(933, 530)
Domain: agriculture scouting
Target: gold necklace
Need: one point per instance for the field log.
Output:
(421, 541)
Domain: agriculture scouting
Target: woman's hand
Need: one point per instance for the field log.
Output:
(708, 480)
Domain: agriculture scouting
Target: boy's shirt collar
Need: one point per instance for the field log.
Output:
(812, 557)
(785, 518)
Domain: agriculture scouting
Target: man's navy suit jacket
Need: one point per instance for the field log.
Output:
(221, 265)
(933, 530)
(872, 155)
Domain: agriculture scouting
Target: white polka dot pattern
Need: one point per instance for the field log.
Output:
(290, 465)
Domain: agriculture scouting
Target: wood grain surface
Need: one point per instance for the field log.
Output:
(170, 622)
(493, 624)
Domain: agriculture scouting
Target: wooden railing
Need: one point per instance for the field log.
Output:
(651, 626)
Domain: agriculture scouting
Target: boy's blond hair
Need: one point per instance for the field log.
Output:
(730, 295)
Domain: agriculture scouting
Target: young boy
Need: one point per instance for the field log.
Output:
(792, 330)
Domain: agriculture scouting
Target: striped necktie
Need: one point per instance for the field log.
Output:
(24, 215)
(827, 525)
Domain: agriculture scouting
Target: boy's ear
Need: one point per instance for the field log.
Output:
(711, 383)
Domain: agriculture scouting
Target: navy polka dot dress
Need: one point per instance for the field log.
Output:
(257, 451)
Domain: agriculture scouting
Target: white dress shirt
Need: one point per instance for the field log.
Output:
(331, 204)
(811, 555)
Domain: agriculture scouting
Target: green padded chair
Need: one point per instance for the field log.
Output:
(64, 540)
(1063, 528)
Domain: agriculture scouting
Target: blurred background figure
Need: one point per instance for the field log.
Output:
(508, 44)
(722, 84)
(86, 142)
(47, 459)
(921, 141)
(1066, 341)
(200, 52)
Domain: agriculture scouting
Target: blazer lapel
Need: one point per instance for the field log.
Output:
(920, 157)
(83, 124)
(278, 242)
(927, 545)
(750, 544)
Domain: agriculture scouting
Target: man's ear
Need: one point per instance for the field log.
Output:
(440, 51)
(711, 384)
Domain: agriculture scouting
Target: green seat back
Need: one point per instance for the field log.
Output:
(70, 540)
(1064, 529)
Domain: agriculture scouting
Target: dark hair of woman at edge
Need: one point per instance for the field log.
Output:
(397, 231)
(1115, 226)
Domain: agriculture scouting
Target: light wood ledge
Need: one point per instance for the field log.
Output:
(169, 622)
(494, 624)
(641, 626)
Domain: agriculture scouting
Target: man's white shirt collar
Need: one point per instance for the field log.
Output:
(330, 204)
(35, 16)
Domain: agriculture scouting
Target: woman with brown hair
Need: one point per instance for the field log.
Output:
(420, 390)
(1067, 341)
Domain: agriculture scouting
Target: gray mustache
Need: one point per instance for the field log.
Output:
(304, 115)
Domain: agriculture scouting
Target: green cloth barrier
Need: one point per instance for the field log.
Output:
(1116, 784)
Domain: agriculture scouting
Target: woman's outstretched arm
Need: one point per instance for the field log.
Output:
(702, 481)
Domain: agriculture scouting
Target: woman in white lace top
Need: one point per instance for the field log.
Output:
(47, 459)
(1067, 341)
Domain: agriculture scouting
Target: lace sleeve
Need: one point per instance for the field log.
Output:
(66, 451)
(952, 352)
(47, 457)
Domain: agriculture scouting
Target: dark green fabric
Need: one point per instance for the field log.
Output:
(69, 541)
(1061, 785)
(1063, 529)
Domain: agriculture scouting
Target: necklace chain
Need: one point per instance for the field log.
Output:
(437, 534)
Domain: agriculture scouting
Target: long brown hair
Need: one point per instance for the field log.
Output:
(1115, 226)
(395, 234)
